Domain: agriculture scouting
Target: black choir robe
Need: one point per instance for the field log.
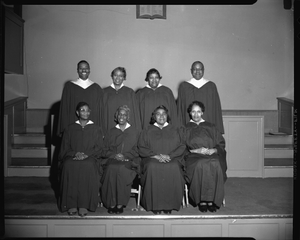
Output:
(112, 100)
(118, 175)
(205, 174)
(149, 99)
(162, 183)
(80, 179)
(208, 95)
(73, 94)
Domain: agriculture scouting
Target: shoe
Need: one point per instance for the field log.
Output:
(211, 207)
(111, 210)
(119, 210)
(82, 212)
(203, 207)
(167, 211)
(72, 211)
(156, 212)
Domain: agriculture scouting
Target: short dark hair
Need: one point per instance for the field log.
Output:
(153, 120)
(80, 105)
(197, 103)
(152, 70)
(82, 61)
(122, 69)
(196, 62)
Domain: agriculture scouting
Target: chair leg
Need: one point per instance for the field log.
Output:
(183, 202)
(186, 195)
(139, 197)
(223, 203)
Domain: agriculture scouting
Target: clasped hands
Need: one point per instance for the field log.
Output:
(120, 157)
(204, 151)
(80, 156)
(163, 158)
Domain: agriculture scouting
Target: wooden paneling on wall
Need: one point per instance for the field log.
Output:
(154, 226)
(244, 136)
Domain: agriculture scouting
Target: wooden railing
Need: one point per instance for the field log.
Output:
(15, 110)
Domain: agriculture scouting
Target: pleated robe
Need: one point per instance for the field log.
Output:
(205, 174)
(118, 176)
(208, 95)
(162, 183)
(112, 100)
(149, 99)
(80, 179)
(73, 94)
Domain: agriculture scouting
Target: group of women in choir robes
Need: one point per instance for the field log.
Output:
(138, 139)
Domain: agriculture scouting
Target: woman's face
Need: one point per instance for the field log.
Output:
(122, 117)
(118, 78)
(196, 113)
(153, 80)
(161, 117)
(84, 113)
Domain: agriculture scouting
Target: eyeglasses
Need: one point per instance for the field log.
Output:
(84, 110)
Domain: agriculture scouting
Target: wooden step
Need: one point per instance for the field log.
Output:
(278, 162)
(28, 171)
(29, 162)
(278, 139)
(279, 153)
(29, 138)
(29, 151)
(278, 171)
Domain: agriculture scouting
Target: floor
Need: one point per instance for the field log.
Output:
(35, 196)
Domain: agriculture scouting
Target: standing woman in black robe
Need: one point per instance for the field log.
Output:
(162, 148)
(80, 177)
(206, 161)
(121, 162)
(118, 94)
(155, 94)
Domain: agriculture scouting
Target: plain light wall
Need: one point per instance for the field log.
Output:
(247, 50)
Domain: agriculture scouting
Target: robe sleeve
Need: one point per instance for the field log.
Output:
(66, 149)
(181, 105)
(133, 151)
(218, 118)
(64, 110)
(135, 113)
(179, 151)
(220, 146)
(98, 147)
(144, 145)
(173, 108)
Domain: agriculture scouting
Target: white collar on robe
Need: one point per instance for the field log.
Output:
(198, 83)
(127, 126)
(83, 83)
(148, 86)
(113, 85)
(89, 122)
(201, 121)
(166, 124)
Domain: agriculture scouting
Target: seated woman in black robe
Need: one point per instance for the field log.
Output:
(121, 162)
(161, 147)
(205, 163)
(80, 177)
